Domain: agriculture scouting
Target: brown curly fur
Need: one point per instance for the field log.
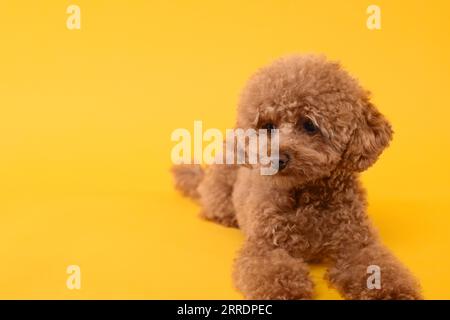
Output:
(314, 209)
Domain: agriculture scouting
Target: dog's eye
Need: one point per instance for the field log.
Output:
(268, 126)
(310, 127)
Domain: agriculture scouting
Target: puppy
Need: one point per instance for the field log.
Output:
(314, 208)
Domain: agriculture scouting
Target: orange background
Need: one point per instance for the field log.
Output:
(86, 117)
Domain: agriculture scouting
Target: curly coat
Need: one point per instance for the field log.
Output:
(315, 208)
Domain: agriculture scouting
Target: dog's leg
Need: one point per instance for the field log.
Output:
(215, 194)
(261, 272)
(372, 273)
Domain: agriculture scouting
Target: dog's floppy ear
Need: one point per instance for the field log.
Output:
(370, 137)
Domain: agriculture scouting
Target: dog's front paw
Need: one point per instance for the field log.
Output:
(276, 276)
(392, 291)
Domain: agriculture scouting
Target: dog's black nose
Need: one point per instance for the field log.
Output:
(283, 160)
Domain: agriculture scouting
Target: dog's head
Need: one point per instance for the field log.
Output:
(325, 119)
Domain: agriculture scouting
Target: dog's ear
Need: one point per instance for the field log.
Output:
(370, 137)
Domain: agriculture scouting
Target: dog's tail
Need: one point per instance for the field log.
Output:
(187, 178)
